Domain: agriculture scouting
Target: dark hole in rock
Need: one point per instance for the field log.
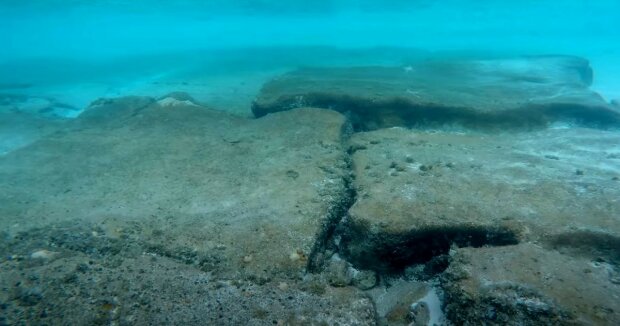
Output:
(393, 253)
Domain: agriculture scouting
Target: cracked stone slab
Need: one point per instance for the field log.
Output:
(501, 93)
(420, 192)
(235, 197)
(527, 284)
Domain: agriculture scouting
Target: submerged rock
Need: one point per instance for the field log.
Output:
(196, 209)
(43, 254)
(516, 93)
(180, 96)
(420, 193)
(168, 212)
(177, 99)
(526, 284)
(217, 185)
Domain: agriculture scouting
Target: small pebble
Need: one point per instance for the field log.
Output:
(425, 168)
(294, 256)
(43, 254)
(365, 280)
(420, 314)
(298, 255)
(247, 259)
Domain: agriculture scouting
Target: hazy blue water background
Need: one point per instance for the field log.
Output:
(76, 51)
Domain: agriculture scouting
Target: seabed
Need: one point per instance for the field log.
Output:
(430, 191)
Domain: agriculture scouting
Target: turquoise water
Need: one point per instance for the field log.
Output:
(47, 43)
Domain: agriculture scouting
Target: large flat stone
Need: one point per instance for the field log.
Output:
(503, 93)
(418, 193)
(237, 197)
(144, 211)
(528, 285)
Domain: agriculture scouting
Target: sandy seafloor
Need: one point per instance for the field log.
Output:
(185, 209)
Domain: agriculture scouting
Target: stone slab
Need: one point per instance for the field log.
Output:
(529, 285)
(420, 192)
(241, 198)
(518, 93)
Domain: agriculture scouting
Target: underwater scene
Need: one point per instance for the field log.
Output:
(327, 162)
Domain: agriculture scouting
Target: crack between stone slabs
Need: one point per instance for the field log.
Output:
(391, 254)
(339, 208)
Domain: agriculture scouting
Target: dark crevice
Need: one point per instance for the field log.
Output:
(337, 212)
(392, 253)
(389, 253)
(324, 241)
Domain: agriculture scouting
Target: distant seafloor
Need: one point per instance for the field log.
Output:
(77, 51)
